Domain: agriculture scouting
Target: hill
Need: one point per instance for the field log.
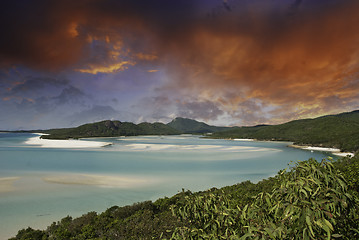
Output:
(110, 129)
(338, 131)
(186, 125)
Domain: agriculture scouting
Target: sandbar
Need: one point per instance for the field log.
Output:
(99, 180)
(243, 139)
(71, 143)
(334, 151)
(6, 184)
(171, 147)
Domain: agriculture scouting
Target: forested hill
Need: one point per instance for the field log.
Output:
(339, 131)
(116, 128)
(110, 129)
(186, 125)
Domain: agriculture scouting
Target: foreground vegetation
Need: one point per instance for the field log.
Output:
(338, 131)
(310, 200)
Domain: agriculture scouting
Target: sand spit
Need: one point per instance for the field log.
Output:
(243, 139)
(7, 184)
(170, 147)
(334, 151)
(71, 143)
(99, 180)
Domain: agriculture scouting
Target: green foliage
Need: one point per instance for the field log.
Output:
(339, 131)
(29, 234)
(309, 202)
(110, 129)
(207, 217)
(349, 166)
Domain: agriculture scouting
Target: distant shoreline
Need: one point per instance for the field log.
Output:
(334, 151)
(78, 143)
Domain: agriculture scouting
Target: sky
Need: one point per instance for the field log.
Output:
(225, 62)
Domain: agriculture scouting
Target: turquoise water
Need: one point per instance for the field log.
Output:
(47, 184)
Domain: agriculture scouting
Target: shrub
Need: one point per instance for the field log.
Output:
(311, 201)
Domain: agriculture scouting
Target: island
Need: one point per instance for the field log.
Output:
(339, 132)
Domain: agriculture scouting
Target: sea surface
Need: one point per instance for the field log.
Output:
(41, 185)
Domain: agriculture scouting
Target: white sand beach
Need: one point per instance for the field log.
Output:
(243, 139)
(7, 184)
(334, 151)
(71, 143)
(99, 180)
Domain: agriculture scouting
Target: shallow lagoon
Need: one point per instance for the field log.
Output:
(41, 185)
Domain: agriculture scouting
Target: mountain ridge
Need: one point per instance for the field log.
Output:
(108, 128)
(187, 125)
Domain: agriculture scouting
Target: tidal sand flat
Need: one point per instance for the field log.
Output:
(194, 147)
(7, 184)
(71, 143)
(100, 180)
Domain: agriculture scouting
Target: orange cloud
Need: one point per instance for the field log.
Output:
(305, 64)
(73, 30)
(147, 57)
(109, 68)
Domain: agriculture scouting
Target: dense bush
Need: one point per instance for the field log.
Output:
(309, 202)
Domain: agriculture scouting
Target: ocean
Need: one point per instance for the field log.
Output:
(40, 185)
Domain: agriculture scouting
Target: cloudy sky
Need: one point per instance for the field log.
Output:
(225, 62)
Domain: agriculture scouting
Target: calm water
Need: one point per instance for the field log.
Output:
(42, 185)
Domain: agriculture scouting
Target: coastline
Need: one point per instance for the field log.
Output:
(70, 143)
(334, 151)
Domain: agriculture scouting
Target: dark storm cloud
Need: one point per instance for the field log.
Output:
(294, 7)
(71, 95)
(49, 34)
(33, 84)
(94, 114)
(205, 110)
(158, 108)
(291, 55)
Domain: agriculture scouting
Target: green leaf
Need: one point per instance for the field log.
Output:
(245, 236)
(328, 224)
(309, 223)
(303, 191)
